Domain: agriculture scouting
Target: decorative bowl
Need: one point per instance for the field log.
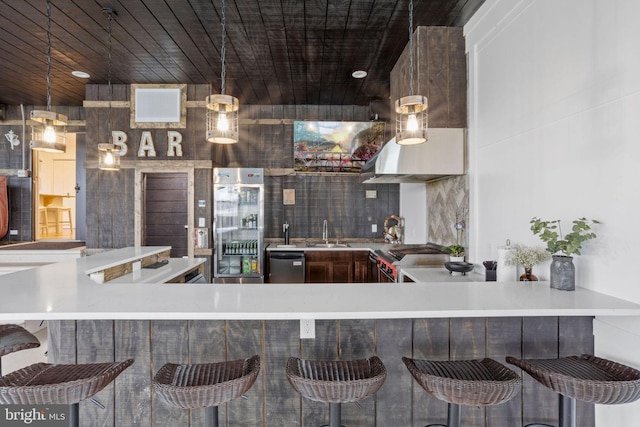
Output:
(458, 267)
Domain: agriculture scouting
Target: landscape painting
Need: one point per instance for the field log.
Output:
(335, 146)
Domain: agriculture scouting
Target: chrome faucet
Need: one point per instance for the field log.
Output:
(325, 232)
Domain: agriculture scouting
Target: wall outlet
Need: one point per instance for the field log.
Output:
(136, 265)
(307, 328)
(374, 228)
(13, 232)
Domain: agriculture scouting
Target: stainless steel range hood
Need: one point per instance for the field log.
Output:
(442, 155)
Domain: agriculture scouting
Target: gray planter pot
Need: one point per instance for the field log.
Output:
(563, 273)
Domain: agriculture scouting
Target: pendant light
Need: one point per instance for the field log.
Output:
(222, 109)
(44, 135)
(411, 111)
(108, 157)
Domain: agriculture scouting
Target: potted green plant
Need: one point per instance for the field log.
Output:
(527, 257)
(562, 247)
(456, 252)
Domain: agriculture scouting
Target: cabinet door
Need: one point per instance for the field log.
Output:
(343, 271)
(361, 271)
(318, 271)
(329, 267)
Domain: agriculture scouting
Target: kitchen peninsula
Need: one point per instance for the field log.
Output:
(155, 323)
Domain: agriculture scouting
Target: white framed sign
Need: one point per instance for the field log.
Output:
(159, 106)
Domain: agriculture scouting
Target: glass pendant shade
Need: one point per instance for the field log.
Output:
(411, 120)
(108, 157)
(222, 119)
(48, 131)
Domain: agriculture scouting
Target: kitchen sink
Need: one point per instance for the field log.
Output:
(331, 245)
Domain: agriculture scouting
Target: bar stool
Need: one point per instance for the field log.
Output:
(49, 384)
(586, 378)
(60, 221)
(206, 385)
(464, 382)
(43, 220)
(15, 338)
(336, 382)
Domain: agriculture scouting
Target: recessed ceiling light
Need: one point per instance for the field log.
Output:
(80, 74)
(359, 74)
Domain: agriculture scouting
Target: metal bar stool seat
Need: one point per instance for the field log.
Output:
(50, 384)
(206, 385)
(586, 378)
(336, 382)
(464, 382)
(15, 338)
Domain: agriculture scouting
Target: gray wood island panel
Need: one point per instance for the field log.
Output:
(271, 401)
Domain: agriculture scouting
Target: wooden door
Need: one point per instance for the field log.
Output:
(166, 211)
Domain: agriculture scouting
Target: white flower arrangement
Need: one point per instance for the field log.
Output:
(527, 256)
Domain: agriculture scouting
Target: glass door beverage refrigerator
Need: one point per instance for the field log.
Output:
(238, 212)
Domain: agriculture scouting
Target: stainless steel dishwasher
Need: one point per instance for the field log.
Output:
(286, 267)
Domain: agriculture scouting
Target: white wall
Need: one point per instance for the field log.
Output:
(554, 132)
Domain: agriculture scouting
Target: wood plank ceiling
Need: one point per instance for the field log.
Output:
(277, 51)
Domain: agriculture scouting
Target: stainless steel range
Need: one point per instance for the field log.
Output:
(391, 261)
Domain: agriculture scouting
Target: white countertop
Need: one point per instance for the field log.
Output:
(113, 258)
(174, 268)
(350, 246)
(439, 274)
(63, 291)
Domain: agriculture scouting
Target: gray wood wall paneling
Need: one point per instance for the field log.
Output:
(169, 344)
(194, 135)
(357, 340)
(430, 342)
(440, 73)
(281, 340)
(467, 341)
(244, 339)
(207, 344)
(95, 344)
(394, 399)
(503, 338)
(433, 65)
(576, 337)
(133, 386)
(273, 402)
(203, 179)
(457, 78)
(61, 342)
(323, 347)
(263, 145)
(540, 335)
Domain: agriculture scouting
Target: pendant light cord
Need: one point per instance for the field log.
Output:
(48, 55)
(411, 47)
(110, 19)
(222, 49)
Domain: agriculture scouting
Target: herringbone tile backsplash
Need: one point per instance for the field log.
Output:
(447, 202)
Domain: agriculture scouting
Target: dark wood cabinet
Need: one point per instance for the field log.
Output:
(337, 266)
(362, 273)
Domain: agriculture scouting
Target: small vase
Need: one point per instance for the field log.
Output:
(528, 276)
(562, 273)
